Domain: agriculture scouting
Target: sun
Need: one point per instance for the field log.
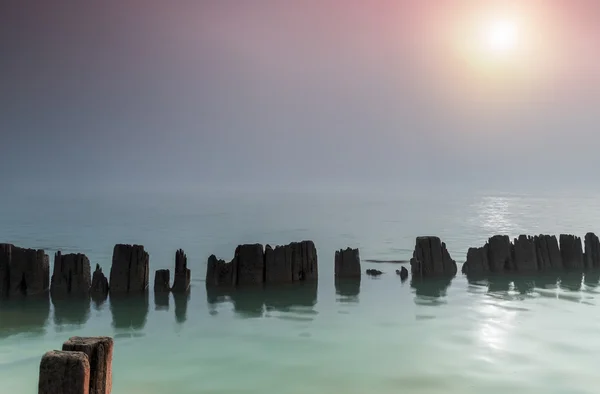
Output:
(500, 37)
(498, 45)
(497, 40)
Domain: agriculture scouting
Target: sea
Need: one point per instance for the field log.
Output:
(535, 334)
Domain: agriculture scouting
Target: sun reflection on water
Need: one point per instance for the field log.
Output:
(493, 331)
(494, 214)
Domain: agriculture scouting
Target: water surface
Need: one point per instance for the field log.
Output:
(526, 334)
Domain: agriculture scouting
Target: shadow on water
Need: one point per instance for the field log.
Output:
(24, 316)
(71, 310)
(161, 300)
(129, 312)
(347, 290)
(254, 302)
(181, 305)
(431, 291)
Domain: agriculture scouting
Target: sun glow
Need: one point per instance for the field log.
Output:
(501, 37)
(498, 52)
(500, 41)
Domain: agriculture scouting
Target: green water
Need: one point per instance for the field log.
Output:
(528, 335)
(532, 335)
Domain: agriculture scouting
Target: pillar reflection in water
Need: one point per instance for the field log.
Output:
(99, 299)
(430, 291)
(591, 279)
(161, 300)
(71, 310)
(252, 302)
(524, 285)
(509, 284)
(129, 311)
(248, 302)
(571, 281)
(347, 290)
(181, 305)
(297, 296)
(543, 284)
(24, 315)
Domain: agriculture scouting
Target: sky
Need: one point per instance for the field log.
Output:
(267, 92)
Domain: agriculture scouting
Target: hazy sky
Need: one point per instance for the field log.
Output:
(269, 91)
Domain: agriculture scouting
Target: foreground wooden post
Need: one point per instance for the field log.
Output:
(64, 373)
(99, 351)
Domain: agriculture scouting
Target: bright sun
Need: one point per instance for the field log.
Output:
(501, 37)
(502, 43)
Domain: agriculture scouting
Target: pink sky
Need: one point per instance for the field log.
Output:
(383, 82)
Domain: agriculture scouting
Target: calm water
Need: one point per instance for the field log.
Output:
(536, 334)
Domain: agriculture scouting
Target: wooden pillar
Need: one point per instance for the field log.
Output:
(64, 373)
(99, 351)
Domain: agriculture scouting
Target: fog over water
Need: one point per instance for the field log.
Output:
(203, 125)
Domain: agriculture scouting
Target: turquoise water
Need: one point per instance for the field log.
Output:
(534, 334)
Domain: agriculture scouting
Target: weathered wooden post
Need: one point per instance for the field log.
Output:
(183, 275)
(99, 351)
(162, 281)
(64, 373)
(347, 263)
(129, 273)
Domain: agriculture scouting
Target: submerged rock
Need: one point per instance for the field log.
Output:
(374, 272)
(403, 273)
(130, 269)
(431, 258)
(347, 263)
(71, 275)
(183, 275)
